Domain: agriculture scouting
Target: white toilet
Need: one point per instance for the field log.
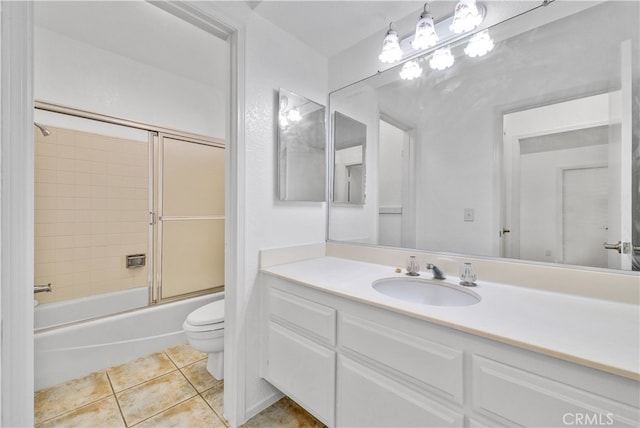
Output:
(204, 328)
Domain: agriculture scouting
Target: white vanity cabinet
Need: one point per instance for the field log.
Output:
(352, 364)
(299, 357)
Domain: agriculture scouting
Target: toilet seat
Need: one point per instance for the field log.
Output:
(209, 317)
(202, 328)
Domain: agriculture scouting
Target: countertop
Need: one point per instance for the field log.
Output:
(596, 333)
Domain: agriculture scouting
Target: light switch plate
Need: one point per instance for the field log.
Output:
(468, 214)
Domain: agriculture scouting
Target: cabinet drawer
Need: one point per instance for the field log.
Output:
(365, 398)
(532, 400)
(436, 365)
(313, 318)
(303, 370)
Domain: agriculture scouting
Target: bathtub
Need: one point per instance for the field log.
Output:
(49, 315)
(67, 352)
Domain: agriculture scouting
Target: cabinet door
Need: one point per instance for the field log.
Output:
(303, 370)
(366, 398)
(527, 399)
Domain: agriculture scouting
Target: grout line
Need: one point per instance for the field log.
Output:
(221, 417)
(164, 410)
(149, 379)
(78, 407)
(115, 397)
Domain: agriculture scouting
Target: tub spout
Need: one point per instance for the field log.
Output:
(42, 288)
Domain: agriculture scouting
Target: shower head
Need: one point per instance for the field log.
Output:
(44, 130)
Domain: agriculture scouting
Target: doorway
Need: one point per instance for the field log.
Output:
(562, 188)
(171, 86)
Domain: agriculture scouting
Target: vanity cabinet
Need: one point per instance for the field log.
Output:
(299, 358)
(351, 364)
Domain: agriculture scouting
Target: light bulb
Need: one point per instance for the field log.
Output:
(479, 44)
(391, 51)
(426, 35)
(294, 115)
(466, 17)
(410, 70)
(441, 59)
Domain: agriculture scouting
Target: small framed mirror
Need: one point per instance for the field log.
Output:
(349, 144)
(301, 148)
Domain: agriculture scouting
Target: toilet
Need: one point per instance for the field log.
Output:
(204, 328)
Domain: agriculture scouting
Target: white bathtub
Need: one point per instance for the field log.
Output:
(49, 315)
(68, 352)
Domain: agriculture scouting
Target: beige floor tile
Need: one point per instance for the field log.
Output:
(150, 398)
(283, 414)
(65, 397)
(183, 355)
(191, 413)
(198, 375)
(215, 398)
(102, 413)
(139, 370)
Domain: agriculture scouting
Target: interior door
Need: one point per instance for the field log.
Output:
(620, 167)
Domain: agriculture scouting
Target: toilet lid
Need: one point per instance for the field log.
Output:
(207, 314)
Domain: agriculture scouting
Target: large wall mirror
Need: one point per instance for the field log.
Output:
(301, 148)
(528, 152)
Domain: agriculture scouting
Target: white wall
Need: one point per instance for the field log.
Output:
(273, 60)
(76, 74)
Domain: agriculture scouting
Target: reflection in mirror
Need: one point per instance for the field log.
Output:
(530, 151)
(301, 148)
(349, 142)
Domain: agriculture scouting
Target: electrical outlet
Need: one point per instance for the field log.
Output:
(468, 214)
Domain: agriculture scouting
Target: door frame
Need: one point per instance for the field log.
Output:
(17, 205)
(525, 124)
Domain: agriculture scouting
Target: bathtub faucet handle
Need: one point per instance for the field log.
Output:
(42, 288)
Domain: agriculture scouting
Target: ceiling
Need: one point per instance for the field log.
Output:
(330, 27)
(142, 32)
(139, 31)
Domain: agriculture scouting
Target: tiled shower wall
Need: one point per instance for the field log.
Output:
(91, 210)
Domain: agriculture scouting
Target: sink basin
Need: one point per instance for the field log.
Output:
(425, 291)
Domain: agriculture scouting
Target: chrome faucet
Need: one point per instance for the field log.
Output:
(42, 288)
(437, 273)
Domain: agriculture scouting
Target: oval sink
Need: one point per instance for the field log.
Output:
(427, 292)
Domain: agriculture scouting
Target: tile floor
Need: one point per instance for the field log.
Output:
(167, 389)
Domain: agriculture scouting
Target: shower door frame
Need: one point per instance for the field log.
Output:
(157, 217)
(156, 134)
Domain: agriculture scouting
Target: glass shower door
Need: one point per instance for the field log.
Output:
(190, 217)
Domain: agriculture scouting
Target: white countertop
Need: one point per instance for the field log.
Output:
(596, 333)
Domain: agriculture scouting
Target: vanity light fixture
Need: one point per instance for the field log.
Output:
(391, 51)
(425, 35)
(410, 70)
(466, 17)
(442, 59)
(479, 44)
